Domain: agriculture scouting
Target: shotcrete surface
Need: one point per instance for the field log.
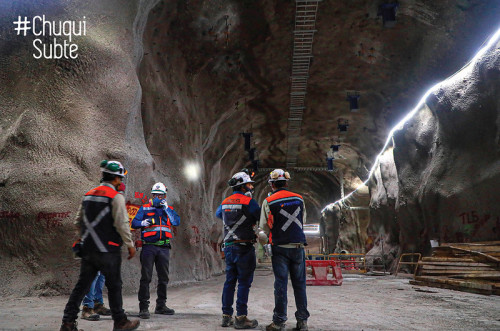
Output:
(361, 303)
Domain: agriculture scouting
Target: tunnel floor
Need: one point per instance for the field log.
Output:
(361, 303)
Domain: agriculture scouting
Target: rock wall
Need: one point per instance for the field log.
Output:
(60, 117)
(440, 183)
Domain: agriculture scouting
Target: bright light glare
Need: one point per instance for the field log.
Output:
(192, 171)
(460, 74)
(311, 229)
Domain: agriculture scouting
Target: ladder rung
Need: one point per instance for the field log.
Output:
(304, 31)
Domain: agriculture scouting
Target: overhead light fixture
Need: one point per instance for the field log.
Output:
(248, 136)
(255, 166)
(388, 13)
(192, 171)
(343, 125)
(329, 163)
(251, 154)
(353, 97)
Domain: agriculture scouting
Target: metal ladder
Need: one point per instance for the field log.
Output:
(303, 34)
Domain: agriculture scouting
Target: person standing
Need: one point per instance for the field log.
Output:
(240, 213)
(103, 223)
(93, 302)
(282, 218)
(155, 219)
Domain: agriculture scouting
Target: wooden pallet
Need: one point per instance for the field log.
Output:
(470, 267)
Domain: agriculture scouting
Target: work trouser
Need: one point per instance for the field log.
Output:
(95, 293)
(240, 266)
(289, 260)
(110, 266)
(158, 256)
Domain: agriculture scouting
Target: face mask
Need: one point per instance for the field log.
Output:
(249, 193)
(156, 202)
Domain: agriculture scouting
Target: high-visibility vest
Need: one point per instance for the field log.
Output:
(285, 218)
(160, 229)
(97, 231)
(238, 223)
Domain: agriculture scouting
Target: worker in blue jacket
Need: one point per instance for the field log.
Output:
(155, 219)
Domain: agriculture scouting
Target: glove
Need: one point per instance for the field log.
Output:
(164, 203)
(145, 223)
(262, 237)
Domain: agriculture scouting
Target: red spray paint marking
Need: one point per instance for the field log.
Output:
(52, 220)
(9, 215)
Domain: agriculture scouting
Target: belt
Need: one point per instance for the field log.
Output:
(165, 242)
(299, 245)
(238, 242)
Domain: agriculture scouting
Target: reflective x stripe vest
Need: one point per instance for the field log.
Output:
(285, 218)
(238, 224)
(98, 232)
(160, 229)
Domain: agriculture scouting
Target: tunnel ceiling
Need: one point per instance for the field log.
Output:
(233, 59)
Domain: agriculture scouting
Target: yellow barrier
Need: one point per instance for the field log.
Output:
(416, 263)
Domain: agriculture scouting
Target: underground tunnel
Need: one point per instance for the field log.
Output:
(189, 92)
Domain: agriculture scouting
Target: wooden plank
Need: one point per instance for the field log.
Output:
(456, 263)
(477, 243)
(475, 253)
(454, 287)
(447, 259)
(456, 282)
(453, 267)
(483, 275)
(468, 272)
(478, 248)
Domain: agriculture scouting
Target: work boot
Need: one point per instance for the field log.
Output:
(144, 314)
(276, 327)
(242, 322)
(89, 314)
(69, 326)
(301, 326)
(227, 320)
(100, 309)
(164, 310)
(126, 325)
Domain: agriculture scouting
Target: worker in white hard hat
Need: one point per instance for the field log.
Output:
(239, 213)
(104, 227)
(282, 217)
(155, 219)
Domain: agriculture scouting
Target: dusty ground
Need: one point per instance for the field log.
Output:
(361, 303)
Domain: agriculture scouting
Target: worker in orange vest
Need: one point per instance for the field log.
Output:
(282, 217)
(103, 222)
(155, 219)
(239, 213)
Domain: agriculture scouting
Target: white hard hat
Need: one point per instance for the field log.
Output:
(278, 174)
(240, 178)
(113, 167)
(159, 188)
